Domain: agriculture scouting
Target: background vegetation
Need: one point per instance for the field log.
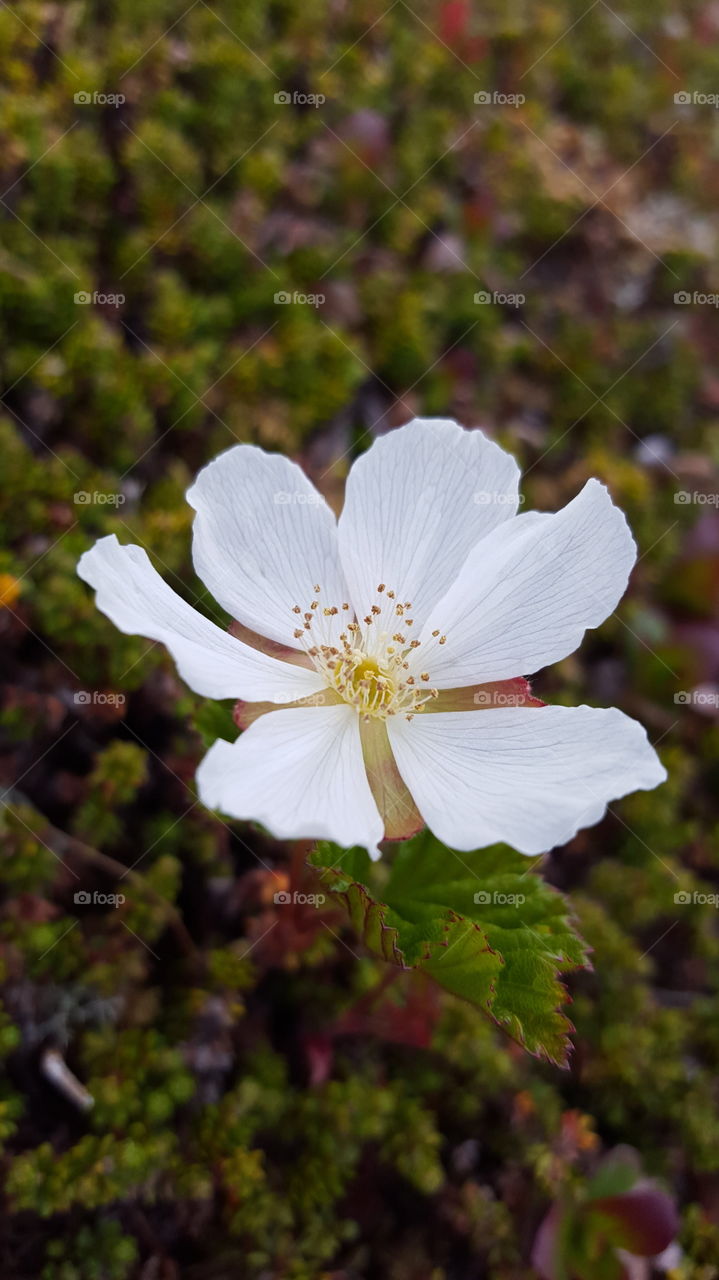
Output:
(270, 1100)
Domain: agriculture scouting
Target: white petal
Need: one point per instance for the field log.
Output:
(416, 503)
(263, 538)
(134, 596)
(300, 773)
(530, 777)
(527, 592)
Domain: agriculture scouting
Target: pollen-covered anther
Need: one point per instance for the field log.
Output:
(372, 676)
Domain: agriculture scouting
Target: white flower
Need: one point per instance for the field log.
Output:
(402, 631)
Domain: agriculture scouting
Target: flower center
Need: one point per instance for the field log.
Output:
(368, 668)
(364, 683)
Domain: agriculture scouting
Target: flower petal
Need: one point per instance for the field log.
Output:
(400, 816)
(527, 592)
(263, 539)
(134, 596)
(528, 776)
(300, 773)
(416, 503)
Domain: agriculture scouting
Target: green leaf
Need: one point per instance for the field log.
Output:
(483, 924)
(213, 720)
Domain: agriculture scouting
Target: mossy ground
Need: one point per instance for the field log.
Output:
(267, 1103)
